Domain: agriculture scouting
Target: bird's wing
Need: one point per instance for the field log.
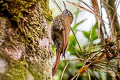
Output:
(65, 34)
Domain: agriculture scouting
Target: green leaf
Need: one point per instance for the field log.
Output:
(94, 33)
(53, 48)
(77, 12)
(72, 43)
(77, 24)
(86, 34)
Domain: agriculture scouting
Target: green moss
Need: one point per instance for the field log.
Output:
(35, 72)
(16, 9)
(17, 71)
(46, 11)
(30, 31)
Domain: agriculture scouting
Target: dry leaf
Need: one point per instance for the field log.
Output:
(76, 5)
(81, 70)
(101, 57)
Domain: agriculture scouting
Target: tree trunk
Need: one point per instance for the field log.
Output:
(25, 41)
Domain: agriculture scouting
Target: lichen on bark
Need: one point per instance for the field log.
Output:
(17, 71)
(29, 22)
(17, 9)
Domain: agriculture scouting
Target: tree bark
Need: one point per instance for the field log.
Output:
(25, 41)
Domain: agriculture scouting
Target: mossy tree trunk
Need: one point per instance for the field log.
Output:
(25, 41)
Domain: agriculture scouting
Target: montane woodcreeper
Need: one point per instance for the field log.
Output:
(60, 34)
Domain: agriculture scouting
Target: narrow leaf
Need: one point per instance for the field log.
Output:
(86, 34)
(81, 70)
(81, 7)
(77, 24)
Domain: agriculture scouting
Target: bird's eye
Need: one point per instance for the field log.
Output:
(68, 13)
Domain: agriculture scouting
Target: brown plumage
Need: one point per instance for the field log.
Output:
(60, 34)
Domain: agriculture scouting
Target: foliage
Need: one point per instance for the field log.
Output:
(93, 33)
(75, 51)
(97, 59)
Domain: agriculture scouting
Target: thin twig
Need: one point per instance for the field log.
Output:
(117, 4)
(78, 59)
(64, 70)
(102, 21)
(90, 40)
(76, 40)
(108, 64)
(109, 6)
(81, 7)
(106, 70)
(87, 5)
(76, 52)
(76, 15)
(57, 5)
(98, 51)
(114, 15)
(89, 74)
(75, 76)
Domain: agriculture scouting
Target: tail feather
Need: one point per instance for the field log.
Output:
(54, 69)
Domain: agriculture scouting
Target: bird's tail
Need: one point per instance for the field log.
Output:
(54, 69)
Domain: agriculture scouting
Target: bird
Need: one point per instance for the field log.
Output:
(60, 34)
